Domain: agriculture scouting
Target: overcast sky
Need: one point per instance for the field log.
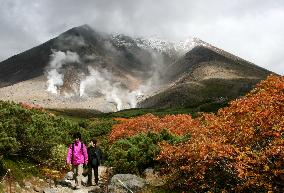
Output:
(251, 29)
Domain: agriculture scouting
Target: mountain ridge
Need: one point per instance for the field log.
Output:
(84, 64)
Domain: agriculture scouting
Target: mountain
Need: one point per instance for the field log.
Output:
(85, 68)
(118, 53)
(206, 77)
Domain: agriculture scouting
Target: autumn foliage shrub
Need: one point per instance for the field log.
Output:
(244, 139)
(175, 124)
(238, 149)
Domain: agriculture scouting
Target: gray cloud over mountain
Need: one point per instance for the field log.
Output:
(251, 29)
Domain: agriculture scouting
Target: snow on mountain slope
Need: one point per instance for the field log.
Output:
(156, 44)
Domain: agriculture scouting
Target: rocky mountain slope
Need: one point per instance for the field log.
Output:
(84, 68)
(206, 75)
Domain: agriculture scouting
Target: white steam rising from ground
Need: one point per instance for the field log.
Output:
(97, 83)
(54, 76)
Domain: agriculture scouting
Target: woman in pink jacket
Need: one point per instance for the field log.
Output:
(77, 156)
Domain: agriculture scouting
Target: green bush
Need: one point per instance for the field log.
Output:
(8, 143)
(98, 126)
(136, 153)
(33, 133)
(58, 156)
(29, 137)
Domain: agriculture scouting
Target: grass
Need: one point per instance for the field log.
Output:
(75, 114)
(141, 111)
(85, 114)
(20, 168)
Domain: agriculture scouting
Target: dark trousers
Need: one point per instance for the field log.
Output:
(96, 174)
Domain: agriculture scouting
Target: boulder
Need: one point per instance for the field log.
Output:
(126, 182)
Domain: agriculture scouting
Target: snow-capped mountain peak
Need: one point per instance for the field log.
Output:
(156, 43)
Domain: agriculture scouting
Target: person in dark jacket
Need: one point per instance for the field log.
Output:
(94, 160)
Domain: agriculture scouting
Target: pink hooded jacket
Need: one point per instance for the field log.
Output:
(80, 154)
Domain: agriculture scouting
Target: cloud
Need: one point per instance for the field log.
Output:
(250, 29)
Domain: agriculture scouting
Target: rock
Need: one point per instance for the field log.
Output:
(69, 176)
(28, 185)
(36, 189)
(95, 189)
(114, 189)
(66, 183)
(148, 171)
(50, 182)
(127, 182)
(17, 185)
(153, 178)
(64, 190)
(49, 190)
(84, 180)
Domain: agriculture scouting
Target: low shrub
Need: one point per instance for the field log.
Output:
(33, 133)
(238, 149)
(135, 154)
(98, 126)
(58, 156)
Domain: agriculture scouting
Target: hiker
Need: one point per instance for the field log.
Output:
(77, 156)
(95, 158)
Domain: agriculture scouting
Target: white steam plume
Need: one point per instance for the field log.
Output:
(54, 76)
(98, 82)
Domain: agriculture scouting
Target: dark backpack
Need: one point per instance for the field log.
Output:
(94, 157)
(95, 160)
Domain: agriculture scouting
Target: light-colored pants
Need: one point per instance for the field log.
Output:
(78, 170)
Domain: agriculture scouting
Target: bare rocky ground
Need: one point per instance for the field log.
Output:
(34, 91)
(119, 183)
